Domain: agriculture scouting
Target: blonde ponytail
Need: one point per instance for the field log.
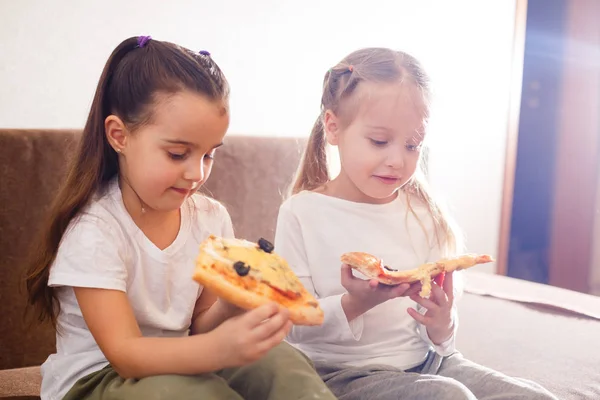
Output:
(313, 171)
(447, 234)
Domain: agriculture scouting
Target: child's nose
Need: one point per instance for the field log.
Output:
(395, 159)
(195, 172)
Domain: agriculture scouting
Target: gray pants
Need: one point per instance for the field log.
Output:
(440, 378)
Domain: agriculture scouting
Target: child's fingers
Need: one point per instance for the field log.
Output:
(354, 284)
(273, 340)
(272, 326)
(255, 317)
(400, 290)
(438, 295)
(419, 317)
(414, 289)
(346, 275)
(449, 285)
(428, 304)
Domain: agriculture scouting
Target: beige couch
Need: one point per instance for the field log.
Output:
(514, 326)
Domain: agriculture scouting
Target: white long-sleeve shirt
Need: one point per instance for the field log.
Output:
(313, 231)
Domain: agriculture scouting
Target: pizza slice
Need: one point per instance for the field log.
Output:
(374, 268)
(249, 274)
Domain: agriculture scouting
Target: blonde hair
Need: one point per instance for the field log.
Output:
(379, 65)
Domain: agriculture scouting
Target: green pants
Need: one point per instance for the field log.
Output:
(283, 374)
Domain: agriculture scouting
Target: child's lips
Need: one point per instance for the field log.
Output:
(388, 180)
(181, 191)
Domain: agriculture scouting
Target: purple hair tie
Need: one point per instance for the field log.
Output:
(204, 53)
(143, 40)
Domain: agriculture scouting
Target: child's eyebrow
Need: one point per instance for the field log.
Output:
(179, 141)
(186, 143)
(379, 128)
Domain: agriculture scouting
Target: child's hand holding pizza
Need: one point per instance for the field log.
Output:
(365, 294)
(248, 337)
(438, 318)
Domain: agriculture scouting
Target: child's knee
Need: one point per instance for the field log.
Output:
(444, 389)
(456, 390)
(183, 387)
(285, 356)
(538, 393)
(535, 391)
(284, 373)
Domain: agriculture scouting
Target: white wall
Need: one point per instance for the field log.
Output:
(275, 52)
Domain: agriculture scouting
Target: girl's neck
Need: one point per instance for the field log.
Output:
(160, 227)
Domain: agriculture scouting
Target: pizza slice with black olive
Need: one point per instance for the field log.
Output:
(249, 274)
(374, 268)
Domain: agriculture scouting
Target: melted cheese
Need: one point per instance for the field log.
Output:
(425, 286)
(424, 275)
(266, 267)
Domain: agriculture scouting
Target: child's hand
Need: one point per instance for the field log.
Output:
(438, 318)
(246, 338)
(363, 295)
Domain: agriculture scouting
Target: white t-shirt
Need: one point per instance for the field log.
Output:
(103, 248)
(313, 231)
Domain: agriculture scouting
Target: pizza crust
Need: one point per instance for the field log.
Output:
(373, 268)
(216, 272)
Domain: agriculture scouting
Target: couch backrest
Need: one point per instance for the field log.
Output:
(250, 177)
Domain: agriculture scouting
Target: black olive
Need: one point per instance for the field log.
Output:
(265, 245)
(241, 268)
(389, 269)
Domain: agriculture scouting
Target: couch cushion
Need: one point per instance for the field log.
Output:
(32, 164)
(251, 176)
(23, 382)
(556, 348)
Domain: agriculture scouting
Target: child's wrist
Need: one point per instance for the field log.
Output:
(352, 307)
(211, 340)
(440, 337)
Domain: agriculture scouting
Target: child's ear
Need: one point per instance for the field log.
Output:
(116, 133)
(331, 125)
